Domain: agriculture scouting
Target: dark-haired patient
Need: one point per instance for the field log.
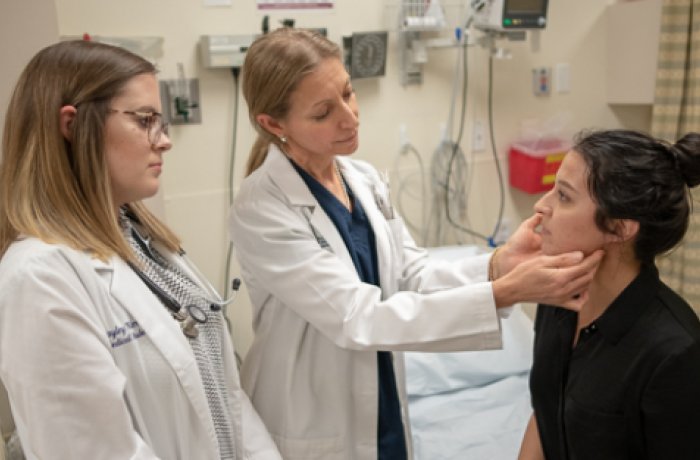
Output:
(620, 379)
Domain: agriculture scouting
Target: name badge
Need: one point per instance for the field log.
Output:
(121, 335)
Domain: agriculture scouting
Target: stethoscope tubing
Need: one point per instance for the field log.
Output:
(192, 315)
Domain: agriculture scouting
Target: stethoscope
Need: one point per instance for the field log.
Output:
(191, 315)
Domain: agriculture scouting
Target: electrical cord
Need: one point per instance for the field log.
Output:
(497, 163)
(229, 253)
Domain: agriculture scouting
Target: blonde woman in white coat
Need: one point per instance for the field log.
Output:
(337, 284)
(95, 293)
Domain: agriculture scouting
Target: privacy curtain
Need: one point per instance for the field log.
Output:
(676, 112)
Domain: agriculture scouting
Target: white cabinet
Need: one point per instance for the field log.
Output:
(633, 31)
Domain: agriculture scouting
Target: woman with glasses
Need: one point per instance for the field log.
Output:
(111, 344)
(337, 284)
(619, 379)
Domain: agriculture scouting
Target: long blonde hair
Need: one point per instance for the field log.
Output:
(56, 190)
(274, 65)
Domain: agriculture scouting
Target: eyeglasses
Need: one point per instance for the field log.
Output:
(152, 122)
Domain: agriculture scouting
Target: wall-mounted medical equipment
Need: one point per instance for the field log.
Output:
(365, 54)
(416, 17)
(493, 19)
(224, 51)
(510, 14)
(180, 99)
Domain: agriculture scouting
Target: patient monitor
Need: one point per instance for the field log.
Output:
(504, 15)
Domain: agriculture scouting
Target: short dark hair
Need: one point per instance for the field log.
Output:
(634, 176)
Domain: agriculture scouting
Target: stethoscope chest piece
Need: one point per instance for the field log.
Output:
(195, 316)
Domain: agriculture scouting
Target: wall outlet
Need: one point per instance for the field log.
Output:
(478, 136)
(541, 81)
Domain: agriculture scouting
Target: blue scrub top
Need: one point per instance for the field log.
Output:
(357, 233)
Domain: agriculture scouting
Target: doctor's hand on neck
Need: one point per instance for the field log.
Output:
(560, 280)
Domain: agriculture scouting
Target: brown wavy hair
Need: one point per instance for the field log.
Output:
(56, 190)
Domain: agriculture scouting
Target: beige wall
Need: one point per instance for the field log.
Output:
(195, 178)
(25, 27)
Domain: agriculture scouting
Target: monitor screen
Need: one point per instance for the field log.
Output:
(525, 6)
(524, 14)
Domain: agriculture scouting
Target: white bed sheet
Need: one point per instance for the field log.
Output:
(472, 405)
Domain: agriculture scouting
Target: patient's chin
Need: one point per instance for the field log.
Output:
(550, 249)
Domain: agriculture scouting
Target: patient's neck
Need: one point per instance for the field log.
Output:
(616, 271)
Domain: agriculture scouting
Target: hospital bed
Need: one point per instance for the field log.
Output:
(471, 405)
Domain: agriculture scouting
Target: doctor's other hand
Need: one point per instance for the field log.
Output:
(523, 245)
(560, 280)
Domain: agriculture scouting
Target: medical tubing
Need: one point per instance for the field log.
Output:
(453, 99)
(455, 149)
(490, 240)
(421, 230)
(438, 170)
(169, 301)
(439, 180)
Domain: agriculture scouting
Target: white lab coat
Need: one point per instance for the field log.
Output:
(96, 368)
(311, 371)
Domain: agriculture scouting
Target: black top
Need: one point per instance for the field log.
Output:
(630, 389)
(358, 237)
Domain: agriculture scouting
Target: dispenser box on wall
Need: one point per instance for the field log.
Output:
(533, 164)
(224, 51)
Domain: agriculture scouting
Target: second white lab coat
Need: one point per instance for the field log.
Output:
(311, 371)
(96, 368)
